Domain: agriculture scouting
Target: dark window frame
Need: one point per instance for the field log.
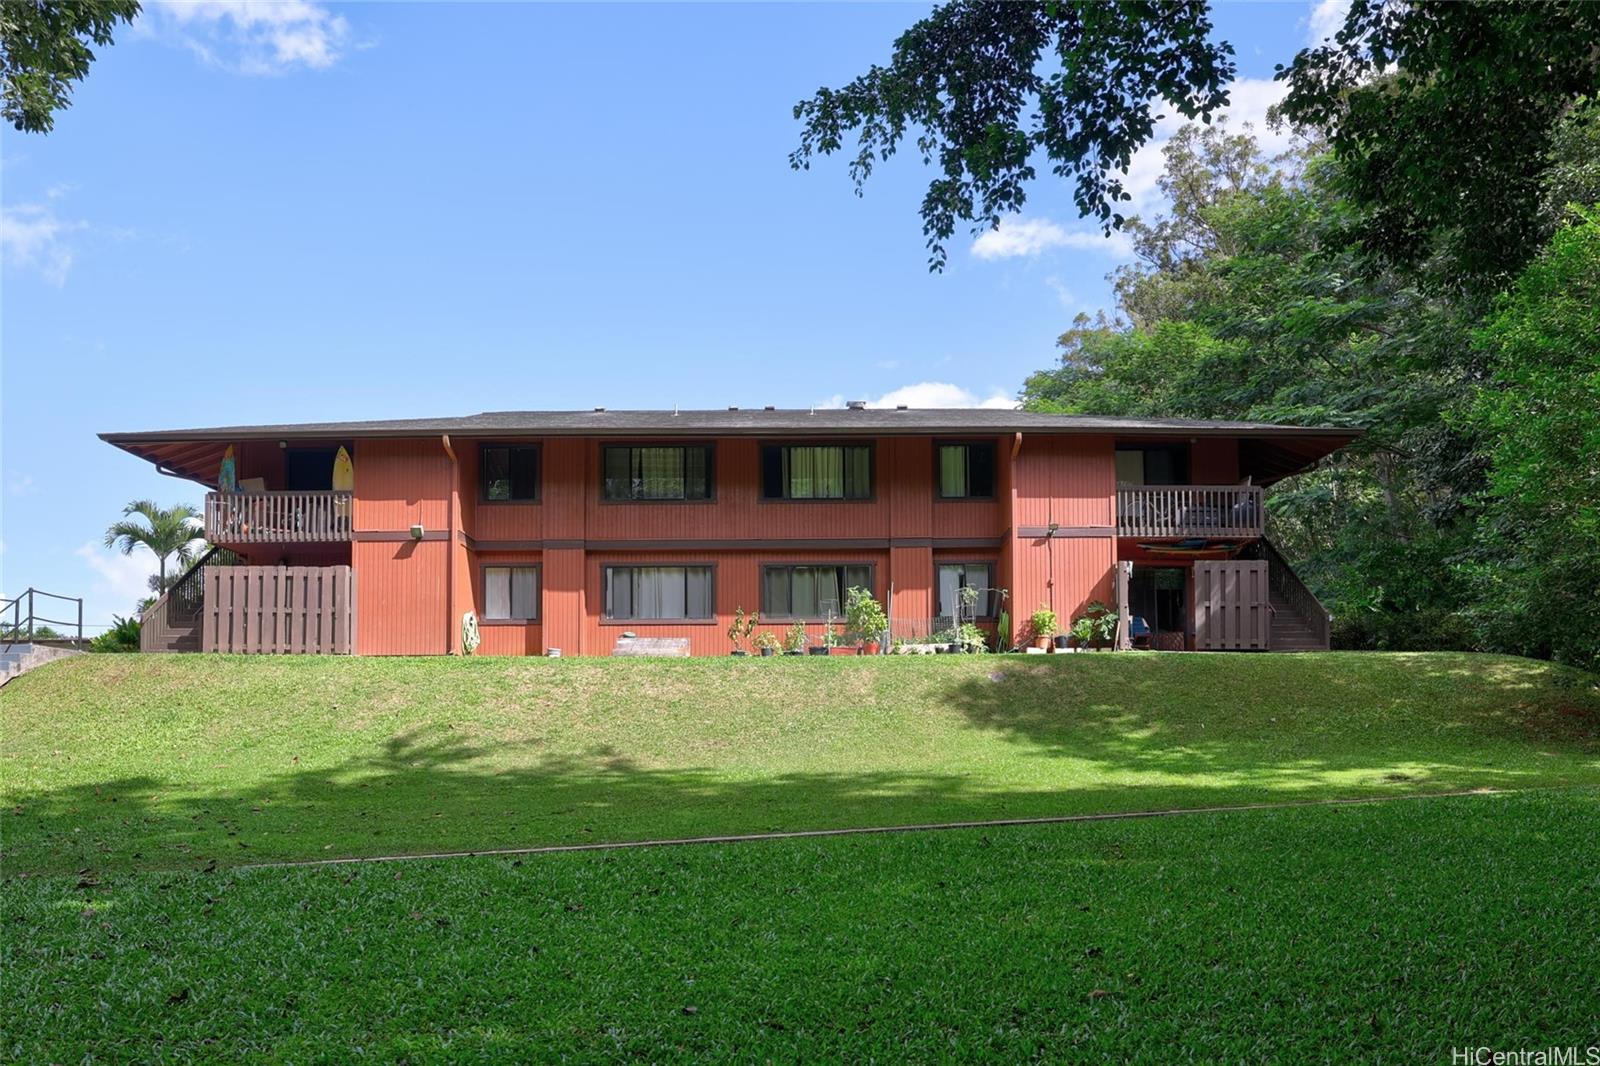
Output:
(711, 595)
(1182, 449)
(538, 472)
(484, 566)
(711, 470)
(993, 614)
(827, 442)
(872, 584)
(967, 442)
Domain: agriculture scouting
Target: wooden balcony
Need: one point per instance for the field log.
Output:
(1189, 511)
(278, 517)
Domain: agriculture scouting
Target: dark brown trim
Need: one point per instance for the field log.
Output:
(1043, 532)
(709, 444)
(761, 590)
(607, 620)
(367, 535)
(819, 442)
(538, 479)
(994, 473)
(842, 544)
(481, 586)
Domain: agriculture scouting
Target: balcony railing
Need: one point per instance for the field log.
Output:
(277, 517)
(1189, 511)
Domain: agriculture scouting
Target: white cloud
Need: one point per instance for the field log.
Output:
(1017, 238)
(1326, 17)
(123, 580)
(256, 36)
(32, 237)
(932, 394)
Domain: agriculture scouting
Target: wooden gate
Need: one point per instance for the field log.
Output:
(274, 610)
(1232, 609)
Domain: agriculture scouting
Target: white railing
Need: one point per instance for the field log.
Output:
(1189, 511)
(277, 517)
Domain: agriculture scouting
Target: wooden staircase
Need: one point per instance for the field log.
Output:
(1299, 621)
(1290, 629)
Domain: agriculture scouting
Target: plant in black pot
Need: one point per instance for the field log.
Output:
(1096, 627)
(767, 642)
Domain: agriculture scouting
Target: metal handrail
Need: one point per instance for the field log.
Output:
(15, 606)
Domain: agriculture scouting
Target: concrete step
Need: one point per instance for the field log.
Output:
(18, 659)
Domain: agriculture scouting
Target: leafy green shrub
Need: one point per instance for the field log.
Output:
(864, 619)
(123, 636)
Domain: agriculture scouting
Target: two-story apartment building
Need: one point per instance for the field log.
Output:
(564, 530)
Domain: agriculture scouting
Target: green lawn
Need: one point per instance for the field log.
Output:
(115, 763)
(1382, 933)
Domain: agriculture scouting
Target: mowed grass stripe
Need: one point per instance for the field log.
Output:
(1385, 932)
(126, 762)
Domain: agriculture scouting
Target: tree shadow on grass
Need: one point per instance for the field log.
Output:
(1152, 747)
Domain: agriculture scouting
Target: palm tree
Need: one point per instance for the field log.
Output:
(166, 531)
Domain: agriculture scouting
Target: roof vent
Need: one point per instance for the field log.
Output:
(769, 407)
(599, 409)
(900, 407)
(857, 405)
(732, 408)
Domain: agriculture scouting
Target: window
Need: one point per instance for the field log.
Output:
(1155, 464)
(953, 577)
(509, 473)
(966, 471)
(678, 472)
(816, 471)
(658, 593)
(510, 592)
(810, 591)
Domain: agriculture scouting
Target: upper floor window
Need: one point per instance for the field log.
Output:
(658, 593)
(810, 591)
(510, 592)
(654, 472)
(966, 470)
(508, 472)
(1153, 464)
(816, 471)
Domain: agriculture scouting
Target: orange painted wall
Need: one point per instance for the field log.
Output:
(1068, 480)
(400, 597)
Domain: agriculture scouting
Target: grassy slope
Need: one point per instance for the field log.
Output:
(119, 762)
(1390, 932)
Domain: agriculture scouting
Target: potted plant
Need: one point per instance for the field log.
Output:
(1096, 627)
(972, 639)
(1043, 625)
(739, 632)
(794, 641)
(767, 642)
(831, 641)
(864, 620)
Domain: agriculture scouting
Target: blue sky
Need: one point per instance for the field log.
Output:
(295, 211)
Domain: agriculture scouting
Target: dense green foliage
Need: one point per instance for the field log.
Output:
(123, 636)
(1384, 932)
(1254, 297)
(44, 48)
(177, 761)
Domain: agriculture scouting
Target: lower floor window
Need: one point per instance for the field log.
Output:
(658, 593)
(511, 592)
(953, 577)
(810, 591)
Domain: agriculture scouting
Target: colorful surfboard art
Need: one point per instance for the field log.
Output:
(228, 475)
(344, 472)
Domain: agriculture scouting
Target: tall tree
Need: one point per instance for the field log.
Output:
(988, 86)
(168, 532)
(44, 48)
(1441, 110)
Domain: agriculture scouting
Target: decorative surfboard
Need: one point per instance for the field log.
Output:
(228, 475)
(344, 472)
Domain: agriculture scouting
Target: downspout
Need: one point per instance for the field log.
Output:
(450, 548)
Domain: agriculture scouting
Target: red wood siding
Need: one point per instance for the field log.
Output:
(400, 597)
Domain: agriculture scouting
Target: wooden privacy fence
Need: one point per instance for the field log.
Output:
(1232, 605)
(274, 610)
